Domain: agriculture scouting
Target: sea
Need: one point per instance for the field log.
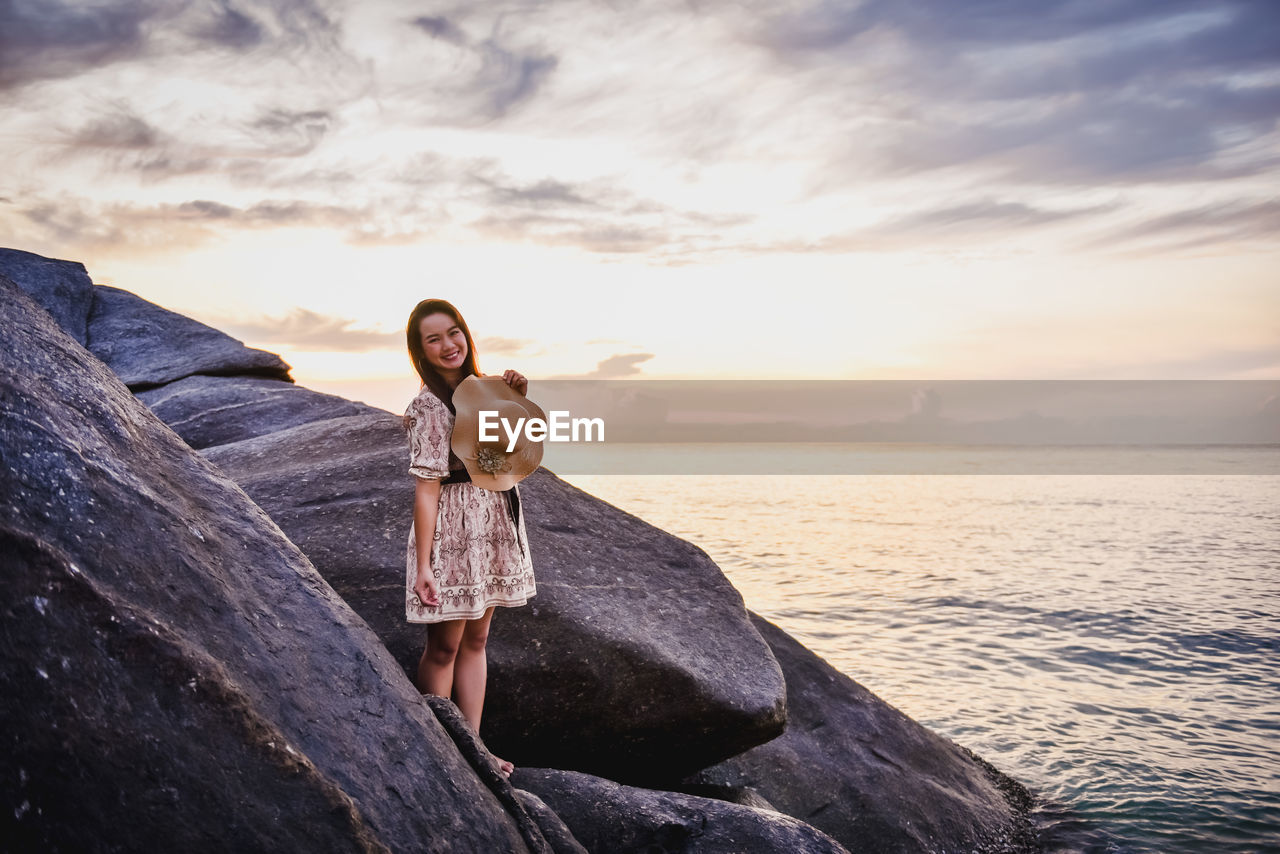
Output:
(1112, 641)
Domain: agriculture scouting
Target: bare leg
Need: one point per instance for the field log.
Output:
(470, 674)
(472, 669)
(436, 667)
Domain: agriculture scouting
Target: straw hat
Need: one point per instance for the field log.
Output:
(488, 463)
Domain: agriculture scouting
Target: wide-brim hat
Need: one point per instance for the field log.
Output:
(489, 463)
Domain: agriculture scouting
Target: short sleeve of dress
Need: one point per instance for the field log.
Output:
(428, 422)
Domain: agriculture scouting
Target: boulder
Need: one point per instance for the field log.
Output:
(207, 410)
(637, 654)
(174, 673)
(554, 830)
(609, 818)
(635, 659)
(470, 745)
(147, 345)
(854, 766)
(62, 288)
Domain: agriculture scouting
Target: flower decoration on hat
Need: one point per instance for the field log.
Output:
(491, 460)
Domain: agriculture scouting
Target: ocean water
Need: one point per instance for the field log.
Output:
(1111, 641)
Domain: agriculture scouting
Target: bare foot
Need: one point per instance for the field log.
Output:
(504, 767)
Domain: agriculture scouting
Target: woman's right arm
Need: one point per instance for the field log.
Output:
(426, 505)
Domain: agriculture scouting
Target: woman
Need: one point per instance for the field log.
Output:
(466, 553)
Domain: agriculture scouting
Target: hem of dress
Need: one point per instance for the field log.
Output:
(469, 616)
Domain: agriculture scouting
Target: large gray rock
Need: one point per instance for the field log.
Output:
(554, 830)
(207, 410)
(635, 659)
(533, 822)
(147, 345)
(627, 624)
(174, 674)
(637, 652)
(62, 288)
(857, 768)
(608, 818)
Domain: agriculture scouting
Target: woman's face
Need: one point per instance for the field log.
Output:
(443, 342)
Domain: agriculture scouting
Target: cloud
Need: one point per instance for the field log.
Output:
(293, 132)
(232, 28)
(84, 224)
(50, 40)
(121, 130)
(501, 77)
(981, 219)
(544, 193)
(55, 39)
(673, 133)
(621, 365)
(497, 345)
(1227, 222)
(614, 367)
(441, 28)
(982, 215)
(308, 330)
(1056, 92)
(511, 78)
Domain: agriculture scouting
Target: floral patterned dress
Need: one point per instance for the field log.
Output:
(478, 557)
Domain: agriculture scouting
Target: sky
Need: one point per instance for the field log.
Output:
(934, 189)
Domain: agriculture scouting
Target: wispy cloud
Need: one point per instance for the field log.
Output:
(308, 330)
(1131, 91)
(119, 130)
(1228, 222)
(65, 39)
(672, 133)
(614, 367)
(500, 77)
(500, 346)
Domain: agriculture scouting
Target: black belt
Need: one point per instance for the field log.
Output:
(512, 498)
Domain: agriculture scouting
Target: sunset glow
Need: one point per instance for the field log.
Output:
(825, 190)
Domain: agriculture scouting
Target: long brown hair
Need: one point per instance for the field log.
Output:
(430, 376)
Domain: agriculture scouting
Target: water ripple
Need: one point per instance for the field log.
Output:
(1114, 642)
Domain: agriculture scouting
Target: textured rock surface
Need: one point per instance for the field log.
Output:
(608, 818)
(207, 410)
(857, 768)
(635, 653)
(174, 674)
(554, 830)
(62, 288)
(471, 747)
(635, 660)
(591, 674)
(147, 345)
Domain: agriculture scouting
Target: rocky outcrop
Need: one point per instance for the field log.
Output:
(143, 344)
(609, 818)
(554, 830)
(174, 674)
(62, 288)
(147, 345)
(209, 410)
(534, 822)
(635, 660)
(856, 767)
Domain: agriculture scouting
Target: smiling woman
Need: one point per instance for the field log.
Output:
(467, 549)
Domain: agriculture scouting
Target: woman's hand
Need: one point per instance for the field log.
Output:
(425, 587)
(516, 380)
